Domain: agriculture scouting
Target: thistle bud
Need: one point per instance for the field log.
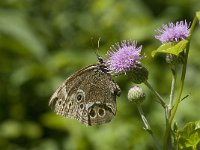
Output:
(139, 74)
(136, 94)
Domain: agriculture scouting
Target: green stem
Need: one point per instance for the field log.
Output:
(178, 99)
(172, 88)
(170, 105)
(156, 94)
(147, 126)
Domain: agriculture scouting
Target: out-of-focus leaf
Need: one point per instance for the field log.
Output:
(25, 73)
(171, 48)
(15, 129)
(54, 121)
(31, 130)
(46, 144)
(15, 25)
(189, 136)
(63, 59)
(198, 15)
(10, 129)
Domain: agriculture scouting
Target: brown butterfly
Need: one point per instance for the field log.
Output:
(88, 95)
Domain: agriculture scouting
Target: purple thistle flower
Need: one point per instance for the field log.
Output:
(125, 57)
(173, 32)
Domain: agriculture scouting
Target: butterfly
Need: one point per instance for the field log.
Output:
(88, 95)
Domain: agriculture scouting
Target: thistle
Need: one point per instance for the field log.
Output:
(173, 32)
(124, 57)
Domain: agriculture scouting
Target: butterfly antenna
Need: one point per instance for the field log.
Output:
(97, 52)
(98, 42)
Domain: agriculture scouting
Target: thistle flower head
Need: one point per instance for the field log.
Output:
(124, 57)
(173, 32)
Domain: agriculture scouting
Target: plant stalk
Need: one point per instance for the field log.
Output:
(161, 100)
(147, 126)
(178, 99)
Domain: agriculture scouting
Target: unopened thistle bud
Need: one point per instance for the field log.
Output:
(138, 75)
(136, 94)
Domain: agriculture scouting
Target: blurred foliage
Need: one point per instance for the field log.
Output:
(43, 42)
(189, 136)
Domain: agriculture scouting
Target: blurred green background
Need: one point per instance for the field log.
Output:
(43, 42)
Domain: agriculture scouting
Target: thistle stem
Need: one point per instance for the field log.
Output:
(170, 105)
(161, 100)
(147, 126)
(178, 99)
(172, 88)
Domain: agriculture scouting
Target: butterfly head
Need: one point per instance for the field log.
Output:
(100, 59)
(102, 64)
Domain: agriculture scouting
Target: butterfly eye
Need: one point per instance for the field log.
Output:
(101, 112)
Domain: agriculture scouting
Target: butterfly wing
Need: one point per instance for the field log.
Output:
(89, 96)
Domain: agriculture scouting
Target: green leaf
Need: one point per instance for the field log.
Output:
(171, 48)
(162, 48)
(189, 136)
(198, 15)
